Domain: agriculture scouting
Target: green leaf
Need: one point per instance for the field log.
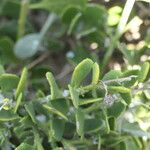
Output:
(127, 97)
(143, 72)
(25, 146)
(27, 46)
(69, 13)
(81, 71)
(57, 128)
(128, 73)
(93, 125)
(8, 82)
(30, 109)
(97, 14)
(55, 92)
(7, 115)
(80, 116)
(89, 101)
(112, 123)
(58, 6)
(119, 89)
(74, 96)
(74, 22)
(61, 105)
(8, 7)
(7, 55)
(55, 111)
(116, 109)
(18, 102)
(113, 74)
(95, 73)
(22, 82)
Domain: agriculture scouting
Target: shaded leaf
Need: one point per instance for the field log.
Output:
(81, 71)
(116, 109)
(57, 128)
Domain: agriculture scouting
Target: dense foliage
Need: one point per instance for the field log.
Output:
(74, 74)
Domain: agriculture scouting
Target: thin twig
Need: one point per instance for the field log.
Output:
(66, 70)
(38, 60)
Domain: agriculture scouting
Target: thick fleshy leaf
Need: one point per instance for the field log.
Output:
(81, 71)
(55, 92)
(118, 89)
(95, 73)
(74, 96)
(27, 46)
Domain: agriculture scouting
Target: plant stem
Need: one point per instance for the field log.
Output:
(120, 29)
(22, 18)
(51, 18)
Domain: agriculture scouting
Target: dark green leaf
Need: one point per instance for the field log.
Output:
(116, 109)
(57, 128)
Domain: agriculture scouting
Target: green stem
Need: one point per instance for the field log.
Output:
(22, 18)
(120, 30)
(51, 18)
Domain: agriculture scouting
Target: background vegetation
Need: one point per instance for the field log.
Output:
(93, 55)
